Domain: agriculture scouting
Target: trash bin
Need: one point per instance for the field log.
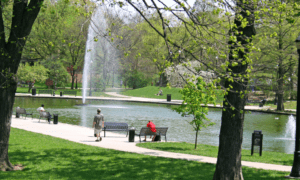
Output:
(157, 138)
(55, 118)
(168, 97)
(17, 115)
(33, 92)
(131, 134)
(53, 93)
(60, 93)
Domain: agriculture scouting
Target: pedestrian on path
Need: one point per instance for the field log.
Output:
(98, 124)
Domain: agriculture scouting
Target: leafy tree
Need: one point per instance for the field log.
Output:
(137, 80)
(32, 73)
(233, 48)
(20, 15)
(58, 72)
(277, 56)
(196, 97)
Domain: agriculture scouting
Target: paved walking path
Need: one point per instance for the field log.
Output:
(116, 141)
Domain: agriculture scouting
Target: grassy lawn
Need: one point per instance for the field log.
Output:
(46, 157)
(150, 91)
(57, 92)
(212, 151)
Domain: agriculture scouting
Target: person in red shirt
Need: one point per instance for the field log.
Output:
(152, 130)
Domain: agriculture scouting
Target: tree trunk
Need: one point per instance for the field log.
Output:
(73, 79)
(280, 106)
(7, 101)
(229, 165)
(29, 86)
(10, 56)
(196, 138)
(76, 87)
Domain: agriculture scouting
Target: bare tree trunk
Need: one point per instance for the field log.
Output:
(29, 86)
(196, 138)
(280, 106)
(7, 100)
(73, 78)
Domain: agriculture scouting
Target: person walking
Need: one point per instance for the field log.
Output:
(98, 124)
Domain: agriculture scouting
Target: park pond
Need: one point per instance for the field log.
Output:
(278, 130)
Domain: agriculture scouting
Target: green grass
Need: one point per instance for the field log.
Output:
(46, 157)
(212, 151)
(150, 91)
(57, 92)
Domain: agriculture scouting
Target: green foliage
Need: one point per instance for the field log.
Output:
(32, 73)
(137, 80)
(57, 72)
(196, 97)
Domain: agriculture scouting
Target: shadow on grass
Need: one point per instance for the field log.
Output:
(80, 163)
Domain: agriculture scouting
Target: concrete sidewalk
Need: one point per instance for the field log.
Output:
(116, 141)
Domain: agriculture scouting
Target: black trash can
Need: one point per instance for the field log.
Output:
(60, 93)
(131, 134)
(17, 115)
(33, 92)
(168, 97)
(55, 118)
(157, 138)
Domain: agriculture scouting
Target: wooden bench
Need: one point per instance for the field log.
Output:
(162, 131)
(22, 111)
(115, 126)
(45, 92)
(70, 92)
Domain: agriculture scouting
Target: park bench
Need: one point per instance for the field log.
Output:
(22, 111)
(45, 92)
(70, 92)
(115, 126)
(162, 131)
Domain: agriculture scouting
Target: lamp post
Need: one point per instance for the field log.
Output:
(296, 165)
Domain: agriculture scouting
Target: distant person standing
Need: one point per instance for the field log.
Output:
(98, 124)
(121, 83)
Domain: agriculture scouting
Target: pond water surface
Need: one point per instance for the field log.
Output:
(276, 135)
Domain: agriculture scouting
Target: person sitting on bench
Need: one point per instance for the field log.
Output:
(41, 109)
(151, 130)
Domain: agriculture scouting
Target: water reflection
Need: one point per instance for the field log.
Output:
(137, 114)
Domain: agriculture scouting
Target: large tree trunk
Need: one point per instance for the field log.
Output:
(10, 55)
(7, 100)
(231, 134)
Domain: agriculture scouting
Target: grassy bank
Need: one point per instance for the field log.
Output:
(212, 151)
(150, 91)
(46, 157)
